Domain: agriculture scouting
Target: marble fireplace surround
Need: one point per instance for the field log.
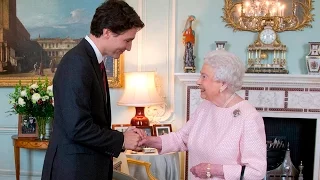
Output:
(274, 95)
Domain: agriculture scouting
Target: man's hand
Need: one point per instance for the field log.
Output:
(132, 136)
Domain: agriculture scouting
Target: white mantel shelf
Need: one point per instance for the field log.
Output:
(254, 79)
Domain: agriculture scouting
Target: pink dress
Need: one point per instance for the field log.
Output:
(219, 136)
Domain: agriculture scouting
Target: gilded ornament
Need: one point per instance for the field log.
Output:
(252, 15)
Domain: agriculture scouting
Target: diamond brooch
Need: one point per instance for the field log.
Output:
(236, 113)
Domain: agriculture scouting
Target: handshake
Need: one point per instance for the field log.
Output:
(135, 138)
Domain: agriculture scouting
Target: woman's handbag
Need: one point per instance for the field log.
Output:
(242, 172)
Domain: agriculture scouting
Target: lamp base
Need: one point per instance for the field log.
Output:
(139, 119)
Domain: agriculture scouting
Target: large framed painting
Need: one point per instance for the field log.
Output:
(36, 34)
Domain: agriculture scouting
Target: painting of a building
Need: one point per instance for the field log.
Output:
(56, 48)
(18, 52)
(21, 54)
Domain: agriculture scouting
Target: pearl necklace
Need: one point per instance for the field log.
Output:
(229, 100)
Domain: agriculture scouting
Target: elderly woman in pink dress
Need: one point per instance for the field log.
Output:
(225, 133)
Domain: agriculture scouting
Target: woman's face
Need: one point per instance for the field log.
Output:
(209, 87)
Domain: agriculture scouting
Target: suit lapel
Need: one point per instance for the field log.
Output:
(96, 66)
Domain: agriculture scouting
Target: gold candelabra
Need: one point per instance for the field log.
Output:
(254, 14)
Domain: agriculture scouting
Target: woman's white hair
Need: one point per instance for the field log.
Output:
(228, 68)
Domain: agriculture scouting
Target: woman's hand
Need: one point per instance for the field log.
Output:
(151, 141)
(207, 170)
(201, 170)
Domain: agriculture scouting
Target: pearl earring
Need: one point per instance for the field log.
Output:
(222, 88)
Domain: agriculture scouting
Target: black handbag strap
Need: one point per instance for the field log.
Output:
(242, 172)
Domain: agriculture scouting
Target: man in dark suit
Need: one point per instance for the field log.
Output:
(82, 144)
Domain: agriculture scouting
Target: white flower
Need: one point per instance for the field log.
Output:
(23, 93)
(49, 90)
(35, 97)
(21, 102)
(44, 98)
(34, 86)
(52, 101)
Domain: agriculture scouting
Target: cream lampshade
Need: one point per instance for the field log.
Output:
(140, 91)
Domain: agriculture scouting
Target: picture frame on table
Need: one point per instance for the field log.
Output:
(120, 127)
(31, 50)
(27, 127)
(162, 129)
(147, 129)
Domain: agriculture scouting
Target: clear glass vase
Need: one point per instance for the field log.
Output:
(41, 121)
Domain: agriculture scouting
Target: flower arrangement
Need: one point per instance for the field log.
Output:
(35, 100)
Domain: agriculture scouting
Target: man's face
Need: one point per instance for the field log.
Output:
(114, 45)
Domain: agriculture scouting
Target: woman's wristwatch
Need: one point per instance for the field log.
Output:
(208, 173)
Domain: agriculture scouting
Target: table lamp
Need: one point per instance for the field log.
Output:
(140, 91)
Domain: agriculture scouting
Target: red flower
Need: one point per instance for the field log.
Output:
(39, 102)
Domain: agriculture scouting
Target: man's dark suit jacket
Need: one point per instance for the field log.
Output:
(82, 144)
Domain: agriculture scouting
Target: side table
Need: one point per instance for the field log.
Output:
(34, 143)
(165, 166)
(27, 143)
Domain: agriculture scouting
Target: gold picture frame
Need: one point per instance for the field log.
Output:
(114, 68)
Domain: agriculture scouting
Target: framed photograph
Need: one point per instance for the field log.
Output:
(147, 129)
(162, 129)
(120, 127)
(36, 34)
(27, 127)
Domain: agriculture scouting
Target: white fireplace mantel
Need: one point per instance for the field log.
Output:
(288, 80)
(274, 95)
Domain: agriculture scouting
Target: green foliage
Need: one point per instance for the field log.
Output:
(35, 100)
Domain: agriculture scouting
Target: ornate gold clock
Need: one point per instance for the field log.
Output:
(267, 35)
(267, 54)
